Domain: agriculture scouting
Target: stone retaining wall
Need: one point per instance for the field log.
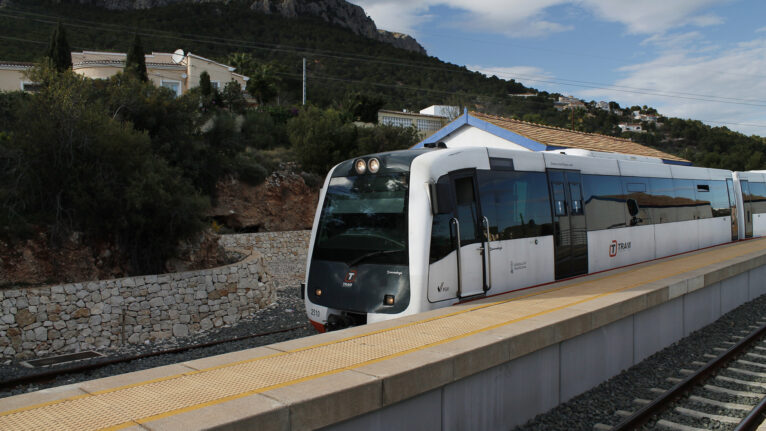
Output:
(284, 253)
(43, 321)
(273, 246)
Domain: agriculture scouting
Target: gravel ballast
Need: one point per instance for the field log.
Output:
(600, 404)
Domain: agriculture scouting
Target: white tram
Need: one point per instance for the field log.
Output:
(408, 231)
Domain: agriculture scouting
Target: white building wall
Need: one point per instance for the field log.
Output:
(469, 136)
(442, 111)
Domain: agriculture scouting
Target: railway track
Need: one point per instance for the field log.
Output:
(52, 374)
(728, 392)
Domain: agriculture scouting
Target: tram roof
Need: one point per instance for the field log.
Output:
(537, 137)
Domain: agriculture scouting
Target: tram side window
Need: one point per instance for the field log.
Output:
(663, 200)
(441, 237)
(702, 196)
(719, 198)
(636, 189)
(758, 197)
(604, 202)
(686, 201)
(466, 210)
(559, 199)
(515, 203)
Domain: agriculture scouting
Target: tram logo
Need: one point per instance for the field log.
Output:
(616, 247)
(350, 278)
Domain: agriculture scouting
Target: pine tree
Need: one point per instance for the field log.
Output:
(135, 64)
(58, 50)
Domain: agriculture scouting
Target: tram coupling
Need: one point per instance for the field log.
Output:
(344, 320)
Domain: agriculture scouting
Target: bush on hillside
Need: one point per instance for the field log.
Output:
(384, 138)
(78, 169)
(320, 139)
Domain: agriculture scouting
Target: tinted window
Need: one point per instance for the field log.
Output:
(636, 189)
(732, 197)
(719, 198)
(574, 192)
(559, 199)
(703, 196)
(758, 197)
(467, 212)
(604, 202)
(663, 200)
(515, 203)
(686, 201)
(441, 237)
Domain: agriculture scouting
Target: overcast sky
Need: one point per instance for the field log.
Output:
(699, 59)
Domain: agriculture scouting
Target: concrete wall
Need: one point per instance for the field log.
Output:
(43, 321)
(510, 394)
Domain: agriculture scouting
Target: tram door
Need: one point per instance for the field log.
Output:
(466, 228)
(748, 208)
(733, 206)
(570, 234)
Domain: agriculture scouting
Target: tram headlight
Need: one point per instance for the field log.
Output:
(373, 165)
(361, 166)
(318, 292)
(388, 300)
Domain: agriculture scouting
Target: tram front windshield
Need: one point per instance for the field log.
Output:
(364, 220)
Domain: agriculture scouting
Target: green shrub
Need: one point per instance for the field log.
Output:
(77, 168)
(383, 138)
(320, 139)
(249, 169)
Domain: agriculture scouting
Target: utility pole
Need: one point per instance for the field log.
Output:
(304, 81)
(572, 108)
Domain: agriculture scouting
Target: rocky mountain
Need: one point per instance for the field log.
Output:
(336, 12)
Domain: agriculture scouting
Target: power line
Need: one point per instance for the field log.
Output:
(18, 39)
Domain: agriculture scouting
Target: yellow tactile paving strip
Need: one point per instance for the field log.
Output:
(146, 401)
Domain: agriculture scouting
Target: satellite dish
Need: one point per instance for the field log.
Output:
(178, 56)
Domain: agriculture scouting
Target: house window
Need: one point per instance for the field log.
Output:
(174, 86)
(396, 121)
(30, 86)
(429, 125)
(215, 84)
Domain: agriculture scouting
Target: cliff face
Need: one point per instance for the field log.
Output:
(341, 13)
(336, 12)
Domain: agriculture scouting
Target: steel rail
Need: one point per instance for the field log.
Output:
(754, 418)
(644, 414)
(52, 374)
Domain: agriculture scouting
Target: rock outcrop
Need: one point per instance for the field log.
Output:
(282, 202)
(336, 12)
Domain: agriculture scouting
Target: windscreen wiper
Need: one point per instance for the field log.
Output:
(374, 253)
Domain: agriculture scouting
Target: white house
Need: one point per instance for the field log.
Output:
(474, 129)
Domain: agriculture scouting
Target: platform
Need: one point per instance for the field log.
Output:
(365, 374)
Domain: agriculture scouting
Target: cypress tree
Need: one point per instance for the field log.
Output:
(204, 84)
(135, 64)
(58, 50)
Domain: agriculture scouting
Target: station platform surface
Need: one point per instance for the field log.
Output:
(324, 379)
